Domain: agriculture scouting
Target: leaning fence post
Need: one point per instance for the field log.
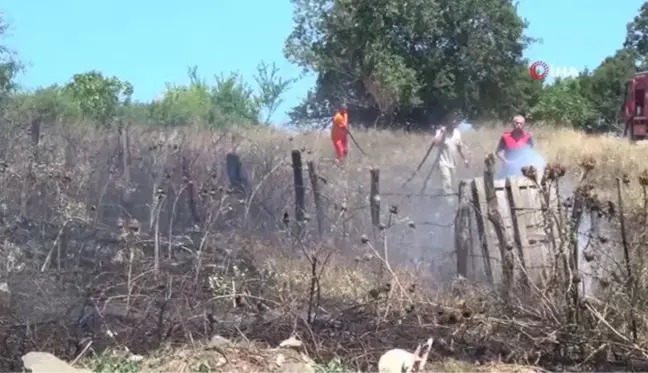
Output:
(632, 281)
(374, 207)
(595, 252)
(374, 196)
(312, 174)
(300, 191)
(462, 229)
(495, 217)
(235, 174)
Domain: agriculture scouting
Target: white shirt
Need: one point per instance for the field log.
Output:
(448, 149)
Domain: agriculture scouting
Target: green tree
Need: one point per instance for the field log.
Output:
(234, 101)
(185, 104)
(137, 112)
(99, 97)
(228, 102)
(9, 65)
(391, 84)
(49, 105)
(637, 36)
(563, 103)
(523, 91)
(423, 57)
(605, 86)
(271, 88)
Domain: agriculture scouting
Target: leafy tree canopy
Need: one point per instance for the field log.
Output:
(395, 63)
(411, 58)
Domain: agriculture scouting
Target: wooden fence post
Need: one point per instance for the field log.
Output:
(300, 190)
(597, 259)
(374, 207)
(374, 197)
(631, 282)
(191, 192)
(505, 244)
(578, 208)
(124, 142)
(519, 224)
(481, 218)
(312, 174)
(236, 174)
(462, 229)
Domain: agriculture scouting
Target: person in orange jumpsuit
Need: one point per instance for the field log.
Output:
(340, 133)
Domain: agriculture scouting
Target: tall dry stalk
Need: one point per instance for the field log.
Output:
(631, 280)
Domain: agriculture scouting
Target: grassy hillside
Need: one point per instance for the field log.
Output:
(82, 235)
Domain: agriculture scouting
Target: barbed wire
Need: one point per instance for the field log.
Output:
(426, 195)
(344, 188)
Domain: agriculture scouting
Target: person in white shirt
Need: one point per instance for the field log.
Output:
(448, 139)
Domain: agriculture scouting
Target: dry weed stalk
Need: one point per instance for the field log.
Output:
(176, 302)
(567, 314)
(160, 154)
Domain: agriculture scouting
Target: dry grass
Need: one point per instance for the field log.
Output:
(615, 157)
(67, 237)
(399, 150)
(265, 359)
(249, 357)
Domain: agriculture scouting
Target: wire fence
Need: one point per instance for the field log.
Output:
(424, 229)
(420, 226)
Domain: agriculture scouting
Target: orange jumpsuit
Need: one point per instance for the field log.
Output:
(340, 135)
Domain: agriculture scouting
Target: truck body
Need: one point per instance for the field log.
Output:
(635, 104)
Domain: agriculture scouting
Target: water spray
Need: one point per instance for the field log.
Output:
(526, 156)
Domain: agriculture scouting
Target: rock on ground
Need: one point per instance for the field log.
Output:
(44, 362)
(5, 297)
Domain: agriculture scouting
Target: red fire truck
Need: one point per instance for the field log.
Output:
(634, 107)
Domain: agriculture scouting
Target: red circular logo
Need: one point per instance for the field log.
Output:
(538, 71)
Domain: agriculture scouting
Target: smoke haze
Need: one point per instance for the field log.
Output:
(526, 156)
